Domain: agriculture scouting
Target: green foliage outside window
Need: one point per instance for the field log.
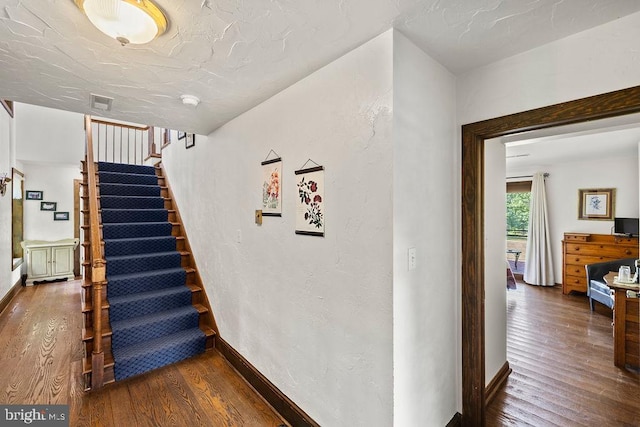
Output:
(518, 213)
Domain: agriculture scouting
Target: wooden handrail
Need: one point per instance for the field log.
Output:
(122, 125)
(98, 264)
(122, 143)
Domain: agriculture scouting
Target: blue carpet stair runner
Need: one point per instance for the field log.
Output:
(152, 318)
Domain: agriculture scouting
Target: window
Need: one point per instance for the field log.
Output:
(518, 198)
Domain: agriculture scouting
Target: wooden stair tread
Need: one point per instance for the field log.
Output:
(87, 335)
(193, 287)
(108, 362)
(208, 332)
(86, 227)
(88, 307)
(201, 308)
(86, 211)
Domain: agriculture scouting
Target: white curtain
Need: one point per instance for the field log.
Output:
(539, 265)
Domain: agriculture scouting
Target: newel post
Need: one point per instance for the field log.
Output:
(98, 277)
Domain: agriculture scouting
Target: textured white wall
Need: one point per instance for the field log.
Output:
(495, 245)
(50, 145)
(595, 61)
(48, 135)
(562, 187)
(424, 308)
(312, 314)
(56, 182)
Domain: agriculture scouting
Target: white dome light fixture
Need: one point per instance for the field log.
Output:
(128, 21)
(190, 100)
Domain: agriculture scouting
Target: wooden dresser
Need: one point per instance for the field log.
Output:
(579, 249)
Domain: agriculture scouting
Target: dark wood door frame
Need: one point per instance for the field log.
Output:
(618, 103)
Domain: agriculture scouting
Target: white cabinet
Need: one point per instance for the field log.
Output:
(49, 260)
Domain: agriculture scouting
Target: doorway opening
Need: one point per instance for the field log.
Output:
(618, 103)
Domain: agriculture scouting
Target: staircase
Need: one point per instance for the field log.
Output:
(156, 312)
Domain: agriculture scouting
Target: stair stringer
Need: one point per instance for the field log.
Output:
(194, 277)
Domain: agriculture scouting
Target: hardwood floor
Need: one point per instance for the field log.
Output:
(562, 360)
(40, 363)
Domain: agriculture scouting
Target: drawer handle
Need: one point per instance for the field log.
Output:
(627, 252)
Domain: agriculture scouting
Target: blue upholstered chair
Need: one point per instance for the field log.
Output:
(597, 288)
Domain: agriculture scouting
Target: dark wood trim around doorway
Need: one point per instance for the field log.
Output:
(618, 103)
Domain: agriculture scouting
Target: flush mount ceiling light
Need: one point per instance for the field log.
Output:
(128, 21)
(190, 100)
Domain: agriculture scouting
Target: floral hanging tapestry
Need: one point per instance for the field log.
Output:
(310, 213)
(271, 185)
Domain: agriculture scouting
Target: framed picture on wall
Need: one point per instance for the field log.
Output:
(271, 184)
(61, 216)
(8, 105)
(190, 140)
(48, 206)
(310, 207)
(33, 195)
(598, 203)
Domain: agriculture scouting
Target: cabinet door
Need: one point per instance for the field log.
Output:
(39, 265)
(62, 261)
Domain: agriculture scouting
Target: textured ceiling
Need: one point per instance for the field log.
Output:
(589, 141)
(234, 54)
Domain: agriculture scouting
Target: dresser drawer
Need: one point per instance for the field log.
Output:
(601, 250)
(575, 283)
(626, 240)
(577, 237)
(578, 287)
(581, 260)
(575, 270)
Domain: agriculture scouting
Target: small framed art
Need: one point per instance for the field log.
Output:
(61, 216)
(596, 203)
(33, 195)
(190, 140)
(48, 206)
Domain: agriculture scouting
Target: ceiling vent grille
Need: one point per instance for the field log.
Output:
(99, 102)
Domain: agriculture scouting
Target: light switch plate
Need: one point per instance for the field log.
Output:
(412, 259)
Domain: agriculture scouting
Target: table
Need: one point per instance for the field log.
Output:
(626, 324)
(516, 253)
